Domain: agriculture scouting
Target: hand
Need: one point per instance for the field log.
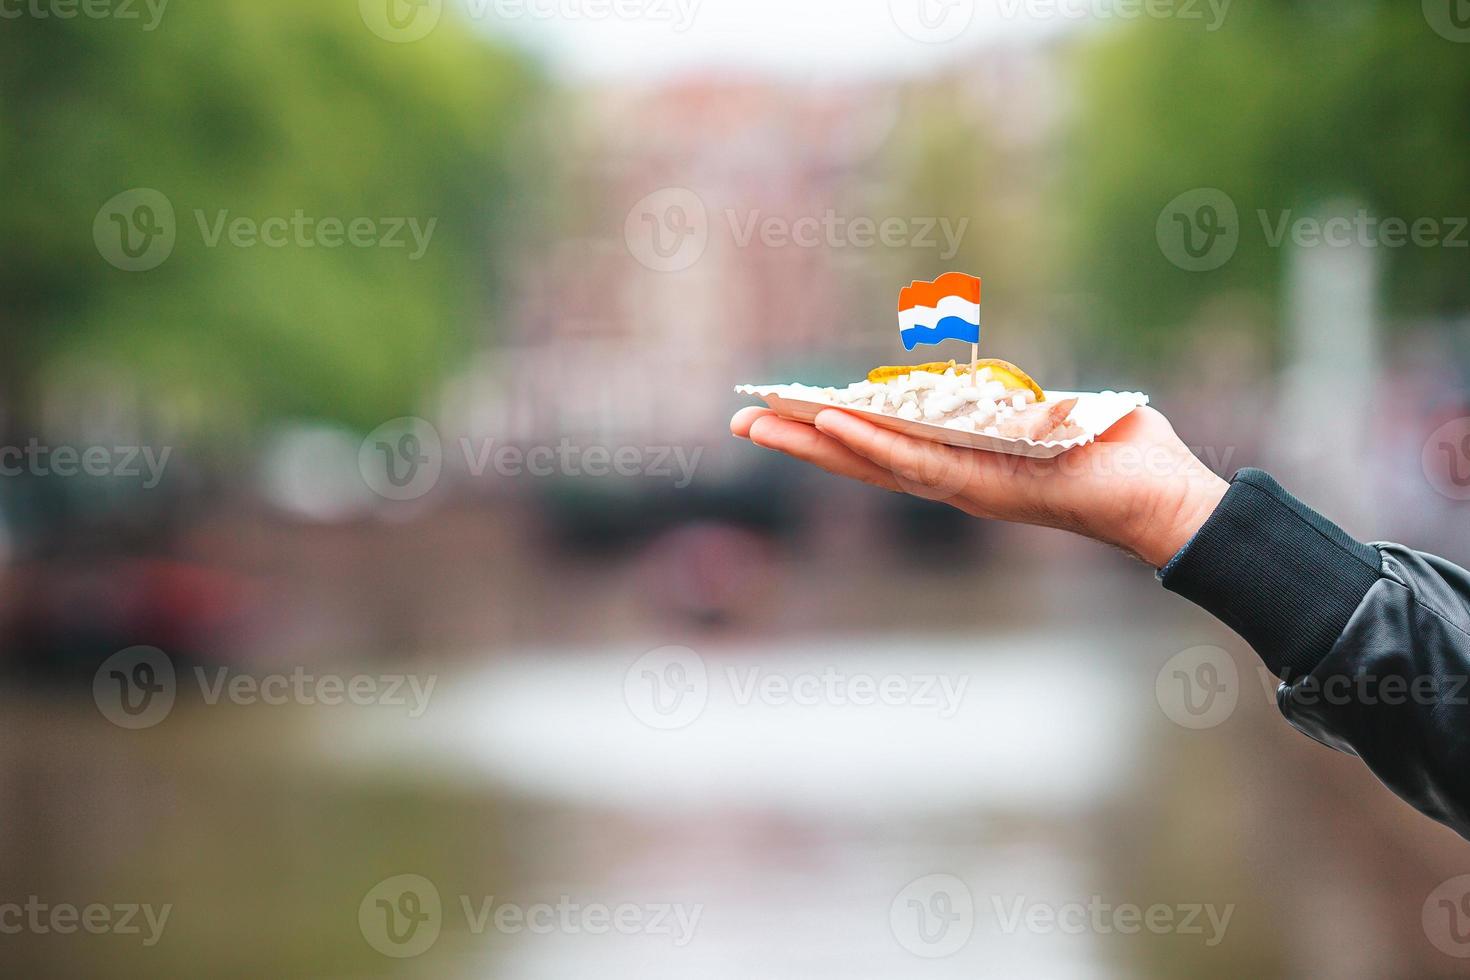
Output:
(1137, 487)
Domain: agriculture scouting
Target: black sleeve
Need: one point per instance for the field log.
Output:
(1371, 641)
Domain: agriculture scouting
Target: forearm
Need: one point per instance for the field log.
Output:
(1372, 642)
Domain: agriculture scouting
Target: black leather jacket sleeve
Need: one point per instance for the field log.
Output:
(1371, 641)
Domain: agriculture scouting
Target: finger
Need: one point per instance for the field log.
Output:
(805, 443)
(745, 418)
(916, 463)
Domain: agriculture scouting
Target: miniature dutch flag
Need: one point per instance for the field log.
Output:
(946, 309)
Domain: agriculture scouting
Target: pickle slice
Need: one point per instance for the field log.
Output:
(881, 374)
(1011, 376)
(1005, 372)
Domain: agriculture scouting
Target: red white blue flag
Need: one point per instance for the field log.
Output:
(946, 309)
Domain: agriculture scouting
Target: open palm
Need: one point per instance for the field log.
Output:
(1138, 486)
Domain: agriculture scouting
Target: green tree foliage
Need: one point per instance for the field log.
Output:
(1288, 105)
(257, 109)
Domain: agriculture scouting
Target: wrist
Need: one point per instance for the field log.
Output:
(1179, 516)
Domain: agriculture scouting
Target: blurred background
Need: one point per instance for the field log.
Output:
(383, 594)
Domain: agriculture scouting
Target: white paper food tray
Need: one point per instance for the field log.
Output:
(1096, 413)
